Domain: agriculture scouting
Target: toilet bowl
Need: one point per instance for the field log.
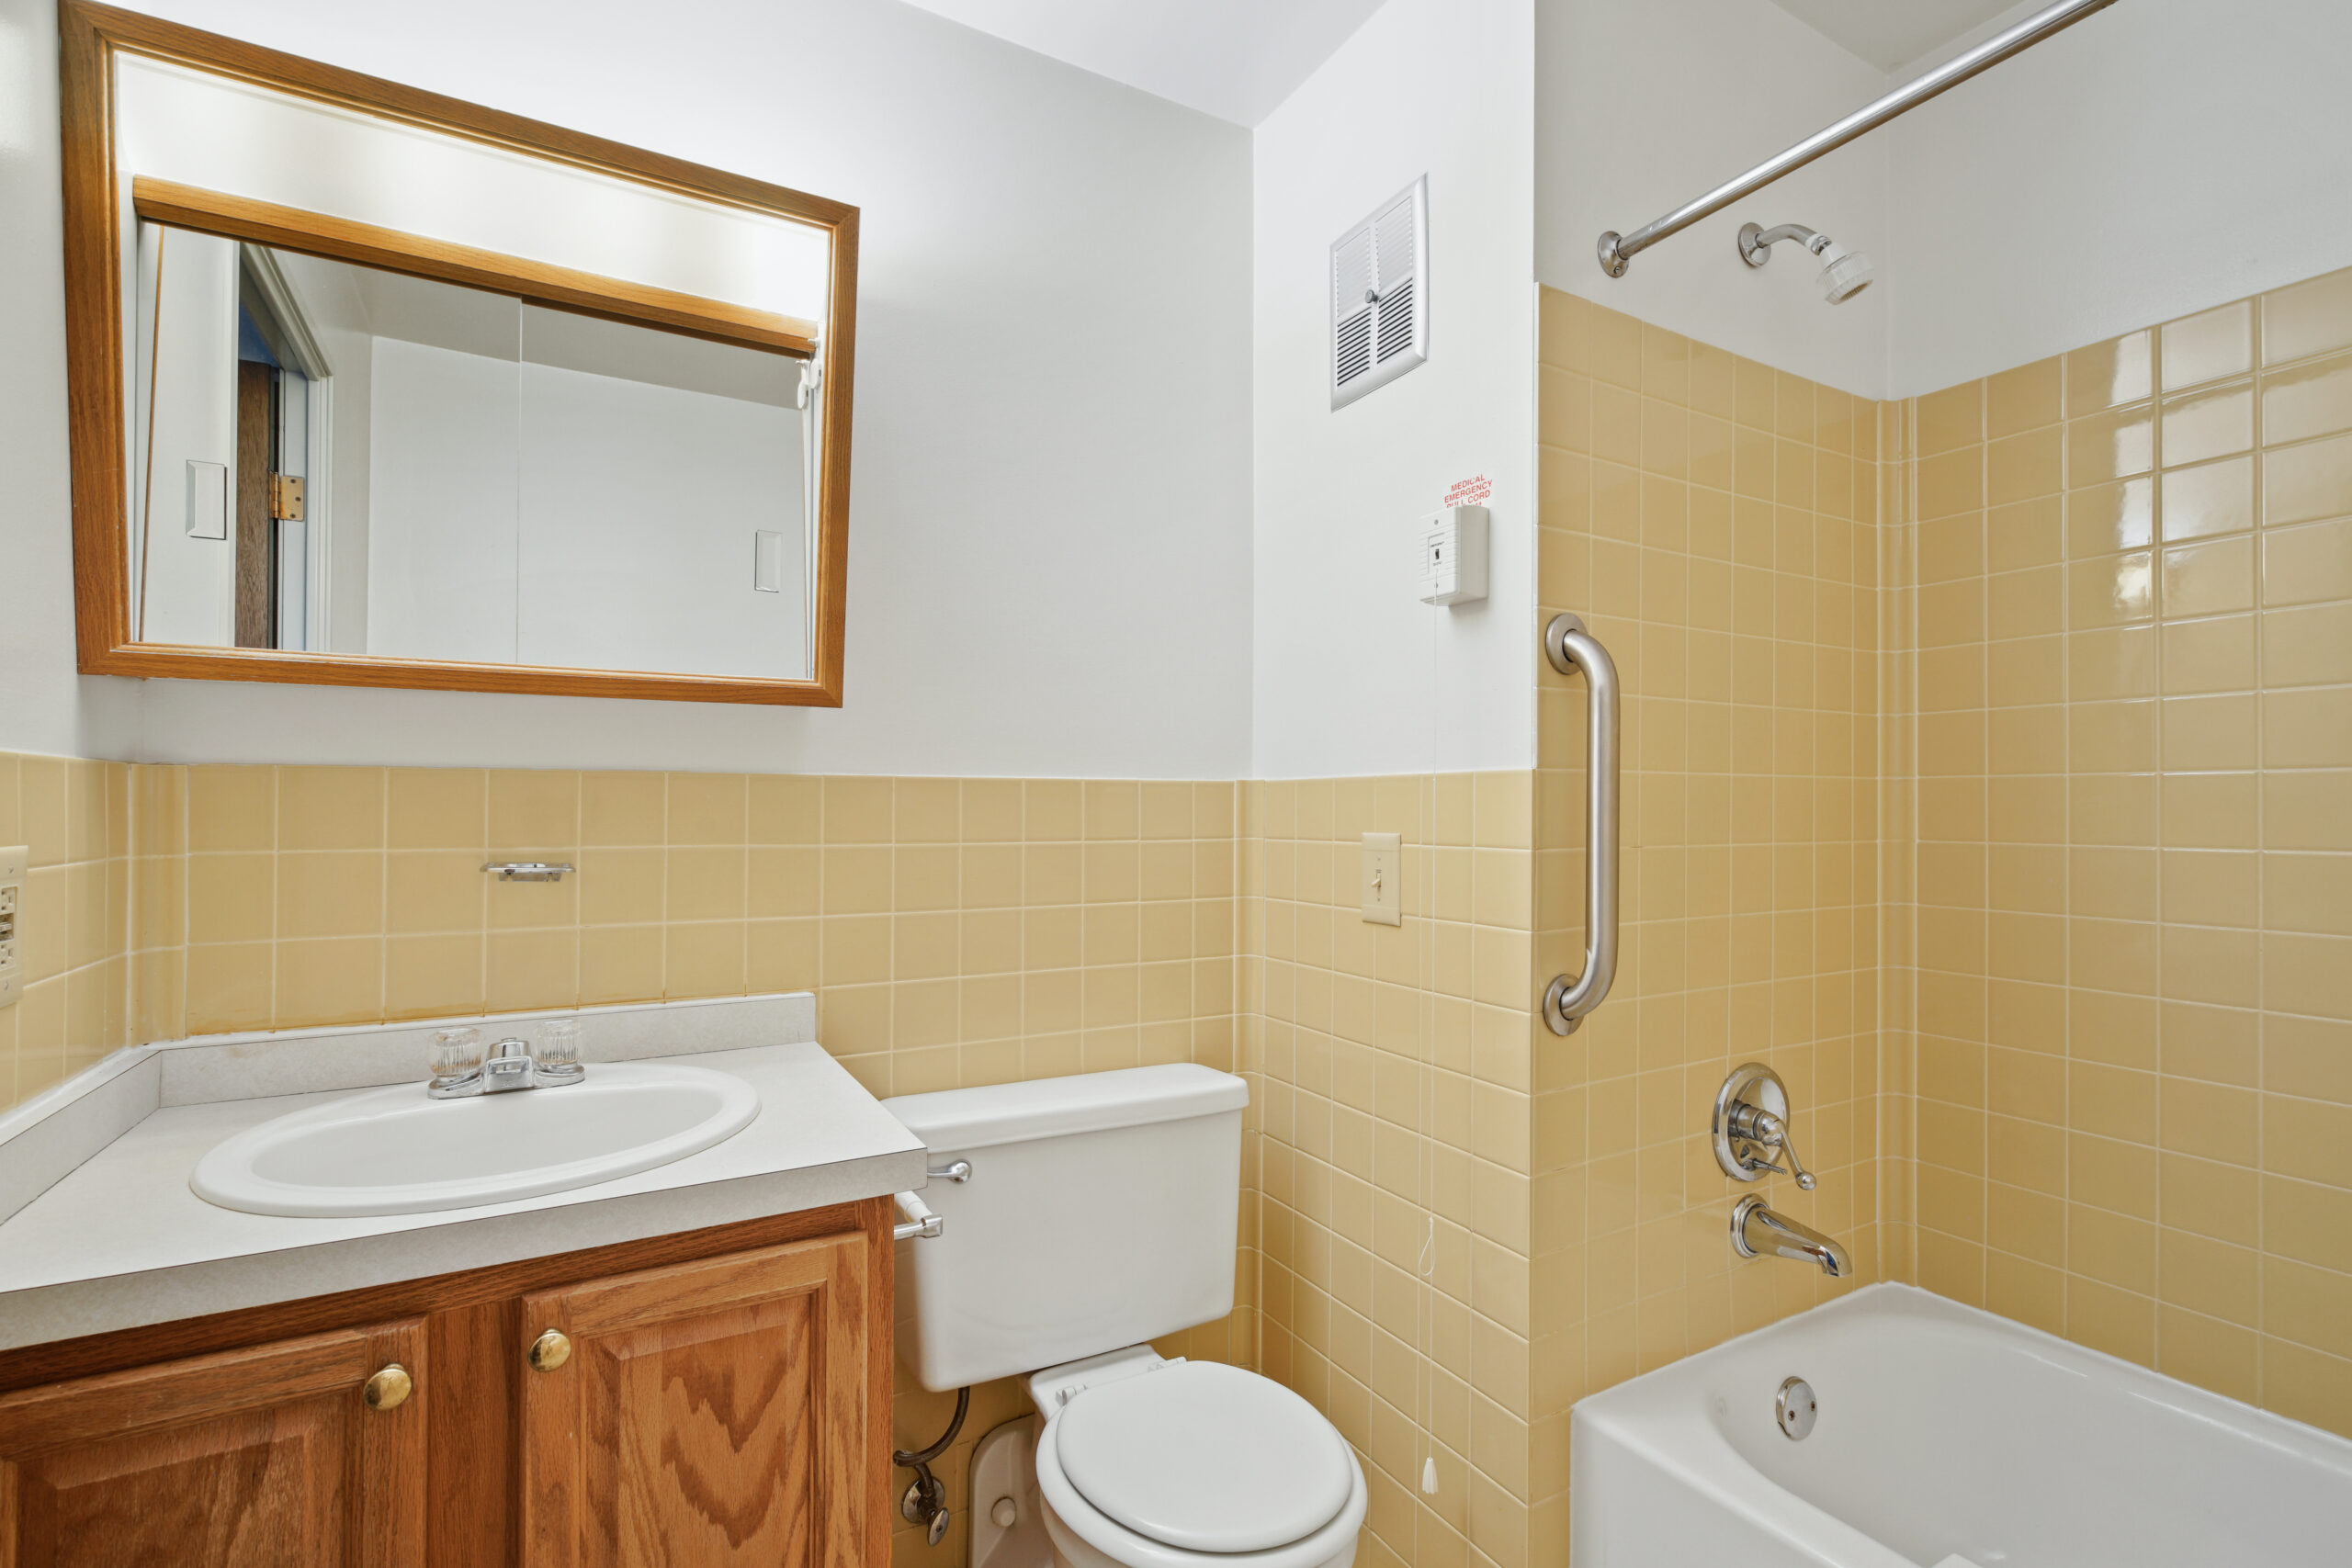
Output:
(1182, 1465)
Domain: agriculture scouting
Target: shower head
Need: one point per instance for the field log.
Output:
(1844, 272)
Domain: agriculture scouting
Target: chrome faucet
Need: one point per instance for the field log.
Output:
(510, 1066)
(1756, 1230)
(1751, 1133)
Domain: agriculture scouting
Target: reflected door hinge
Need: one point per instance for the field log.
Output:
(286, 497)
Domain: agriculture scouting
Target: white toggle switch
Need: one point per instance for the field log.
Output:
(1452, 544)
(1382, 891)
(13, 861)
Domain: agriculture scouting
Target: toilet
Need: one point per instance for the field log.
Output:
(1101, 1213)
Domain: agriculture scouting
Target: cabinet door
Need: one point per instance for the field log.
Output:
(270, 1457)
(710, 1413)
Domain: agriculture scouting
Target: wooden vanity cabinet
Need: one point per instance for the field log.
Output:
(720, 1397)
(264, 1456)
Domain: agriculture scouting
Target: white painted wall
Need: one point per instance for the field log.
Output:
(1354, 674)
(1049, 543)
(639, 506)
(185, 587)
(2159, 158)
(443, 500)
(44, 705)
(1641, 108)
(538, 514)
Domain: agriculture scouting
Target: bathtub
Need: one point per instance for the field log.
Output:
(1941, 1432)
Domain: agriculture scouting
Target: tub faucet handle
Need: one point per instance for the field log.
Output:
(1771, 1129)
(1750, 1127)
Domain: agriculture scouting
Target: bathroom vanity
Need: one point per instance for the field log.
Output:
(689, 1363)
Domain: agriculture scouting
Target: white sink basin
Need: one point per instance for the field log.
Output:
(396, 1151)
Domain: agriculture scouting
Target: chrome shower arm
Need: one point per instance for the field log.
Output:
(1756, 244)
(1616, 250)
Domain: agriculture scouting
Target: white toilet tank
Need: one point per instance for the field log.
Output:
(1101, 1211)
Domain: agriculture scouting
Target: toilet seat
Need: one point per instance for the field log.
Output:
(1204, 1457)
(1214, 1465)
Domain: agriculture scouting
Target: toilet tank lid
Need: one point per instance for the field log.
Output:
(959, 1119)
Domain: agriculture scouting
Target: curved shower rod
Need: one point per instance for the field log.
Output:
(1616, 250)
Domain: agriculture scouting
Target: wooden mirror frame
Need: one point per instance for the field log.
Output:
(89, 38)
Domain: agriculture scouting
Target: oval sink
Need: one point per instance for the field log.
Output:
(396, 1151)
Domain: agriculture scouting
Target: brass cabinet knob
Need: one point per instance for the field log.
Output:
(388, 1389)
(550, 1350)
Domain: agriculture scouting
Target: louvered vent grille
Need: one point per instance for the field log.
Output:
(1380, 295)
(1354, 348)
(1397, 321)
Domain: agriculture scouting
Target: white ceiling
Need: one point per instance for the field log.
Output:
(1238, 59)
(1893, 33)
(1234, 58)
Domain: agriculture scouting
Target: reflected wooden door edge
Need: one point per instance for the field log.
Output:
(89, 35)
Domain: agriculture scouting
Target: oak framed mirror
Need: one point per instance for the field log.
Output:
(372, 387)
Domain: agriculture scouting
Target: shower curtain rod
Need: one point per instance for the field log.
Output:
(1615, 251)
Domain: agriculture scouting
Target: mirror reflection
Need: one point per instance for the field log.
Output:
(338, 459)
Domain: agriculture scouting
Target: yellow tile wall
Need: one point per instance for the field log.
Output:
(1394, 1073)
(75, 817)
(1714, 522)
(2134, 693)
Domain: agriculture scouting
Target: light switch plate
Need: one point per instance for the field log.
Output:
(1384, 871)
(13, 858)
(208, 500)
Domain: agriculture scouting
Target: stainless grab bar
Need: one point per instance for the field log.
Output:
(1616, 250)
(1571, 648)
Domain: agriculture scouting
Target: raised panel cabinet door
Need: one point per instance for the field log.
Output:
(275, 1456)
(708, 1413)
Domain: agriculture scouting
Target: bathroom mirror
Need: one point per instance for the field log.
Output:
(375, 388)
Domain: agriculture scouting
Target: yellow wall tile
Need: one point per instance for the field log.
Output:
(2313, 317)
(432, 809)
(624, 809)
(2208, 347)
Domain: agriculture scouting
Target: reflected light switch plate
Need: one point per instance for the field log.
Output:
(767, 561)
(1384, 901)
(208, 500)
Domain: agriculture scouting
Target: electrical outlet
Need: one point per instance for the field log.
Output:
(1384, 902)
(13, 861)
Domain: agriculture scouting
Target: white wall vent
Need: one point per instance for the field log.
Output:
(1380, 295)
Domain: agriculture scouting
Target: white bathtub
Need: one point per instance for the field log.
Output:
(1944, 1431)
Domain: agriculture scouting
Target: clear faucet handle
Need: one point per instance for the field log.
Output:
(558, 1052)
(455, 1052)
(558, 1043)
(1776, 1132)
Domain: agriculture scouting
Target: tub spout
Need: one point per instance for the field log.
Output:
(1756, 1230)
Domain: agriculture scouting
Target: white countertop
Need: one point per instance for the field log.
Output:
(122, 1241)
